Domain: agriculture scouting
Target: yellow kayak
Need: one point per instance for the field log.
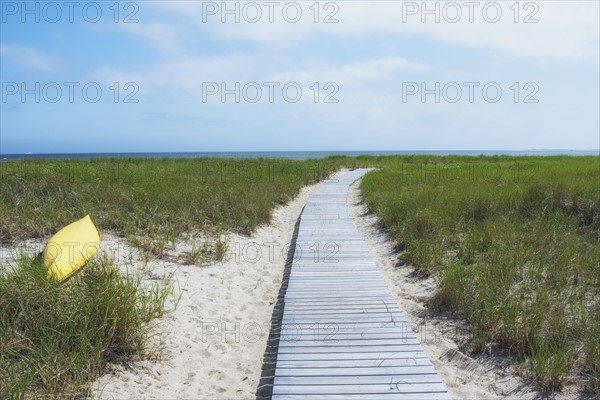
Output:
(70, 248)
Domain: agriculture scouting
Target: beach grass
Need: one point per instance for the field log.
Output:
(514, 245)
(55, 339)
(154, 199)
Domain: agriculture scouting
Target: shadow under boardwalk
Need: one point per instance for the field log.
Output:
(337, 332)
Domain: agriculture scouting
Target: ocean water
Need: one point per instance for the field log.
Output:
(294, 155)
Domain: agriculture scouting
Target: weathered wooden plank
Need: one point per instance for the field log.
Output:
(317, 287)
(325, 265)
(363, 396)
(345, 297)
(291, 329)
(349, 356)
(322, 239)
(357, 379)
(303, 282)
(327, 304)
(318, 303)
(402, 330)
(331, 291)
(341, 281)
(358, 343)
(377, 295)
(340, 306)
(316, 283)
(339, 260)
(294, 308)
(323, 331)
(399, 349)
(298, 320)
(408, 362)
(327, 269)
(326, 274)
(346, 241)
(332, 297)
(385, 300)
(314, 302)
(391, 315)
(343, 294)
(346, 331)
(339, 312)
(343, 266)
(309, 259)
(337, 292)
(384, 389)
(383, 369)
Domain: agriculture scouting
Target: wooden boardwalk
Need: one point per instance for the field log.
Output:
(342, 334)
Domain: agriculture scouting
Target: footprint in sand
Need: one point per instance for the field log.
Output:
(190, 378)
(258, 303)
(214, 373)
(265, 297)
(206, 353)
(221, 347)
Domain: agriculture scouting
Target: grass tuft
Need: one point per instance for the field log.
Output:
(221, 248)
(56, 339)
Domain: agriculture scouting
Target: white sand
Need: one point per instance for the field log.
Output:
(215, 338)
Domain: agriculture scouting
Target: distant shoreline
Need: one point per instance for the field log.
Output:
(296, 155)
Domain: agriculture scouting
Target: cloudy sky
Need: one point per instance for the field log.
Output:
(277, 75)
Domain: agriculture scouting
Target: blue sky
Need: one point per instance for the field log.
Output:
(372, 60)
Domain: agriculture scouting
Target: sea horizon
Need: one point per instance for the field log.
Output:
(295, 155)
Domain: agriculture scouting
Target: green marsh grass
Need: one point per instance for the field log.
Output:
(199, 254)
(514, 245)
(55, 339)
(163, 198)
(220, 248)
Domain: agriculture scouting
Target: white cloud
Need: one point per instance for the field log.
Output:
(182, 77)
(30, 58)
(565, 29)
(161, 35)
(353, 74)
